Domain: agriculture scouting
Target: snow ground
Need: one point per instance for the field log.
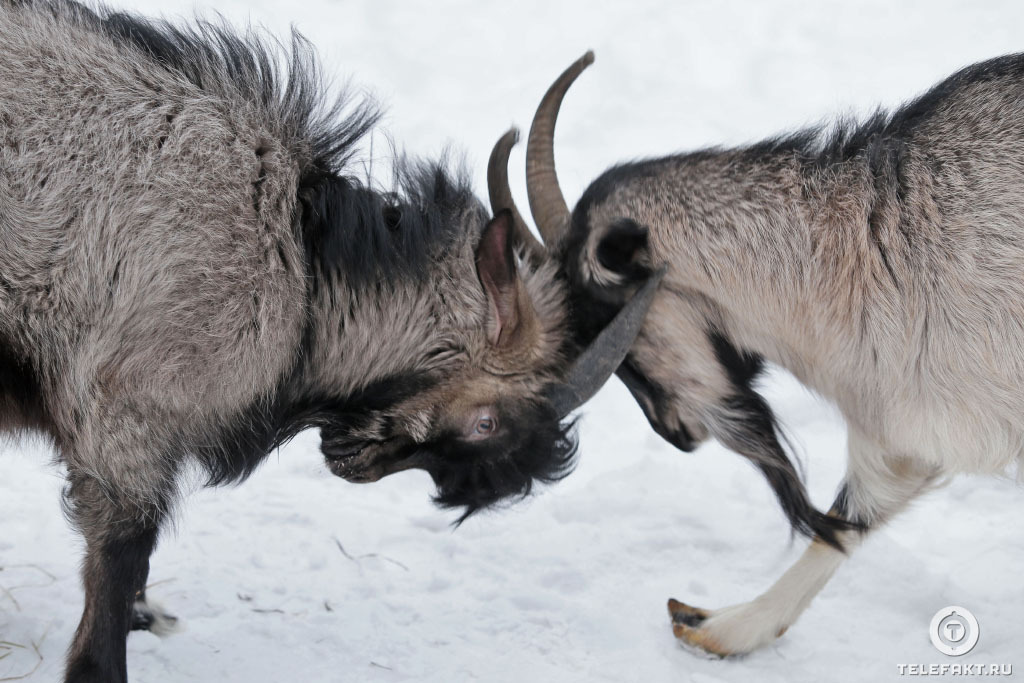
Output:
(571, 585)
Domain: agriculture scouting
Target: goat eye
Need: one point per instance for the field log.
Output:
(480, 424)
(485, 426)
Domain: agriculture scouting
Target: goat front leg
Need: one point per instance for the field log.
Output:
(876, 487)
(120, 533)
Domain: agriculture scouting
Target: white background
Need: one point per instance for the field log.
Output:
(571, 585)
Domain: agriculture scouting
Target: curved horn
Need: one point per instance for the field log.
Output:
(547, 204)
(501, 194)
(602, 358)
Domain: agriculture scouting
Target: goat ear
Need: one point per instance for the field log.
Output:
(510, 311)
(620, 247)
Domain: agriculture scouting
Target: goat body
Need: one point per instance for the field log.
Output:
(188, 278)
(878, 262)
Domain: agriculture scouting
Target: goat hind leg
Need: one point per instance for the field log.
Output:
(876, 487)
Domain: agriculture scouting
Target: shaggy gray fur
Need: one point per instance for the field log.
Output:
(881, 263)
(164, 299)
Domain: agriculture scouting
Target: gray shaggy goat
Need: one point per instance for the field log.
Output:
(189, 276)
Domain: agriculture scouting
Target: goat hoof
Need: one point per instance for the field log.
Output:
(682, 613)
(151, 617)
(686, 625)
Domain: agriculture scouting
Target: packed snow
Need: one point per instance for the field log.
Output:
(299, 576)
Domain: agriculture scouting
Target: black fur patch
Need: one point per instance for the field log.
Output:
(588, 314)
(619, 248)
(370, 235)
(841, 508)
(755, 436)
(21, 400)
(754, 433)
(743, 367)
(533, 446)
(238, 447)
(114, 572)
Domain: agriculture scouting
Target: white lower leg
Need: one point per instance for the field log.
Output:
(745, 627)
(877, 487)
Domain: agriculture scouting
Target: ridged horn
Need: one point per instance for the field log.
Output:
(501, 194)
(550, 212)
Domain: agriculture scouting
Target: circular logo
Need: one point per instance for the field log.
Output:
(954, 631)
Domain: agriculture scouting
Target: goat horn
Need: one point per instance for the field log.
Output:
(602, 358)
(547, 204)
(501, 194)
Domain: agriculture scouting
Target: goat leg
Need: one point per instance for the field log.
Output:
(120, 535)
(876, 487)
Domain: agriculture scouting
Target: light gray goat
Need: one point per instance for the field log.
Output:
(881, 263)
